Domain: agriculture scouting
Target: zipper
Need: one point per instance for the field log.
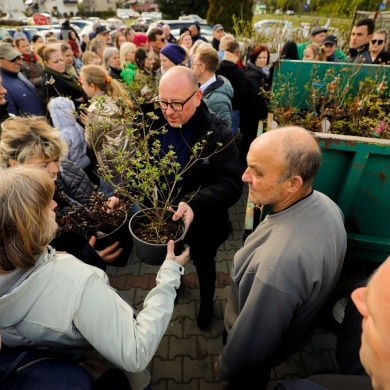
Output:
(31, 363)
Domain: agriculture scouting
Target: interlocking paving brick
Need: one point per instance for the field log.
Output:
(185, 356)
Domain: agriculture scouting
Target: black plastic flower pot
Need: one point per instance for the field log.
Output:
(150, 253)
(124, 237)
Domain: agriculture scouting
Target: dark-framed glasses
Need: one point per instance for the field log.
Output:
(16, 59)
(379, 41)
(176, 106)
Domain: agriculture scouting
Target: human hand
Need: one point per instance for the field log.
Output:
(216, 368)
(83, 117)
(113, 202)
(181, 259)
(184, 211)
(107, 254)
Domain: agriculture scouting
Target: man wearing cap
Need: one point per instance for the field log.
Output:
(359, 43)
(104, 33)
(22, 97)
(171, 55)
(218, 33)
(330, 44)
(317, 36)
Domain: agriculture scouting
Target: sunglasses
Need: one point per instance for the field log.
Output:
(16, 59)
(161, 39)
(374, 41)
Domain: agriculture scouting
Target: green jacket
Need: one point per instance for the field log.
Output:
(338, 53)
(128, 72)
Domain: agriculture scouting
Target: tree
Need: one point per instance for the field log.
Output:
(227, 11)
(172, 9)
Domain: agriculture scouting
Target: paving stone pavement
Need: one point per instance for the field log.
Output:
(186, 355)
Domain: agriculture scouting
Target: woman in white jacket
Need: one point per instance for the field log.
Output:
(55, 301)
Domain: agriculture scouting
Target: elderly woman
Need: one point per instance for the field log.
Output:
(31, 141)
(112, 62)
(51, 300)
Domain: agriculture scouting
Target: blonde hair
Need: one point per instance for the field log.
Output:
(225, 40)
(125, 48)
(98, 76)
(88, 56)
(25, 138)
(317, 51)
(180, 41)
(25, 225)
(46, 51)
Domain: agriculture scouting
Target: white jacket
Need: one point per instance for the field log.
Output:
(62, 112)
(64, 303)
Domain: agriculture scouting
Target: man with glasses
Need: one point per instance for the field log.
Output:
(210, 186)
(360, 41)
(330, 45)
(22, 97)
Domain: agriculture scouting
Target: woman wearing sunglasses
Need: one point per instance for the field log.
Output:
(378, 47)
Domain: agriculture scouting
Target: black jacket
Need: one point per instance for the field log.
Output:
(212, 185)
(360, 54)
(237, 78)
(76, 184)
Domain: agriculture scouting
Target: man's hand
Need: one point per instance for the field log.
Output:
(107, 254)
(184, 211)
(181, 259)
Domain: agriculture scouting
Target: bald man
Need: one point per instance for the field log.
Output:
(210, 186)
(288, 266)
(373, 304)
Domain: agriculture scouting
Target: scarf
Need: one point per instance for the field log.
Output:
(31, 58)
(67, 76)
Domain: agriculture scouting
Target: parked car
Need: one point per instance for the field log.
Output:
(28, 30)
(205, 29)
(290, 12)
(278, 12)
(195, 17)
(270, 28)
(142, 23)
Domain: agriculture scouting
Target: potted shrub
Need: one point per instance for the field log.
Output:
(108, 226)
(347, 107)
(148, 178)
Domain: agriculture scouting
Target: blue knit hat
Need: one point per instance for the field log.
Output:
(174, 53)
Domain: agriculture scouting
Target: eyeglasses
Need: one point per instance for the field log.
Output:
(329, 44)
(16, 59)
(374, 41)
(160, 40)
(176, 106)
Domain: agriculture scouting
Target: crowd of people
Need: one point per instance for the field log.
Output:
(61, 105)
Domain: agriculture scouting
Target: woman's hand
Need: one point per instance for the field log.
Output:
(83, 117)
(113, 202)
(107, 254)
(181, 259)
(184, 211)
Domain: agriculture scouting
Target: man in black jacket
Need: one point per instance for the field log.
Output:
(236, 75)
(360, 41)
(210, 186)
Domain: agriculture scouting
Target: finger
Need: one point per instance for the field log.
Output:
(171, 250)
(92, 241)
(109, 249)
(113, 256)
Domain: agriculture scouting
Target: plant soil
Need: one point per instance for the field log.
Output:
(146, 231)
